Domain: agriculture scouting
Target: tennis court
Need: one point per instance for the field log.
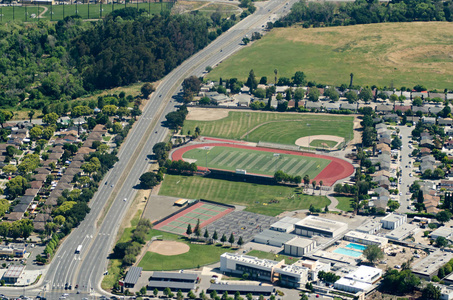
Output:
(203, 211)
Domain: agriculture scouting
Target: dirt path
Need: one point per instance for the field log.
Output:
(44, 11)
(306, 140)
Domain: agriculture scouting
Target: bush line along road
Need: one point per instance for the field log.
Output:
(86, 269)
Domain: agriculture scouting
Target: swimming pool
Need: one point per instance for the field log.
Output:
(356, 246)
(348, 252)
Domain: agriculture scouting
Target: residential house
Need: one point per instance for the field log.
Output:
(382, 109)
(349, 106)
(429, 120)
(313, 105)
(445, 121)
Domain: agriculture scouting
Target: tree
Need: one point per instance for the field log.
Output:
(396, 143)
(155, 292)
(206, 233)
(365, 95)
(147, 89)
(197, 230)
(223, 239)
(215, 236)
(191, 86)
(417, 101)
(231, 239)
(240, 241)
(351, 96)
(332, 94)
(50, 118)
(299, 78)
(306, 180)
(148, 180)
(251, 81)
(31, 113)
(441, 242)
(275, 78)
(189, 230)
(313, 94)
(303, 296)
(373, 253)
(9, 169)
(431, 292)
(5, 227)
(443, 216)
(5, 116)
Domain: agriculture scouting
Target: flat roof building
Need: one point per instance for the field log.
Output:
(402, 232)
(13, 274)
(174, 276)
(393, 221)
(285, 224)
(292, 276)
(313, 225)
(360, 280)
(370, 226)
(299, 246)
(132, 277)
(256, 290)
(430, 265)
(443, 231)
(366, 239)
(261, 269)
(172, 285)
(273, 238)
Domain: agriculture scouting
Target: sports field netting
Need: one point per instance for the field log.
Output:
(204, 212)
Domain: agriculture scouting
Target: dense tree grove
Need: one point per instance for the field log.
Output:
(47, 63)
(116, 53)
(319, 14)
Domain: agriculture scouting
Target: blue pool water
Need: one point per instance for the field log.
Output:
(348, 252)
(356, 246)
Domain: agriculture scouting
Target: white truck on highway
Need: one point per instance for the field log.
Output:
(79, 248)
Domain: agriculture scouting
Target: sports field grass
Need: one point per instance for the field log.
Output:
(58, 12)
(404, 54)
(198, 255)
(257, 162)
(271, 256)
(320, 143)
(281, 128)
(255, 197)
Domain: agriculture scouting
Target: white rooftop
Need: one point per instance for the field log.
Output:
(300, 242)
(321, 223)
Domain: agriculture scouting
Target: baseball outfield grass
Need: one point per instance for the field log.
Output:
(257, 198)
(398, 54)
(281, 128)
(257, 162)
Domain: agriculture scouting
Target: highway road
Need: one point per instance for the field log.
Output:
(96, 234)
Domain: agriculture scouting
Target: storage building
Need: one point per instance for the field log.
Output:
(366, 239)
(393, 221)
(132, 277)
(285, 224)
(273, 238)
(313, 225)
(299, 246)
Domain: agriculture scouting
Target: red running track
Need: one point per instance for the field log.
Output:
(336, 170)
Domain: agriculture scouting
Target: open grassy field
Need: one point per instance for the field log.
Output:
(282, 128)
(198, 255)
(271, 256)
(58, 12)
(255, 197)
(257, 162)
(344, 203)
(403, 53)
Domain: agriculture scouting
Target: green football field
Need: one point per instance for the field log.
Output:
(257, 162)
(280, 128)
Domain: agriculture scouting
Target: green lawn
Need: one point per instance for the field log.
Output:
(255, 197)
(257, 162)
(271, 256)
(320, 144)
(398, 54)
(106, 138)
(344, 203)
(198, 255)
(282, 128)
(58, 12)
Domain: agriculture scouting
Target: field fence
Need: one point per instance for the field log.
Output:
(278, 146)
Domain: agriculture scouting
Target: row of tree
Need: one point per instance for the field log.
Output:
(365, 12)
(214, 238)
